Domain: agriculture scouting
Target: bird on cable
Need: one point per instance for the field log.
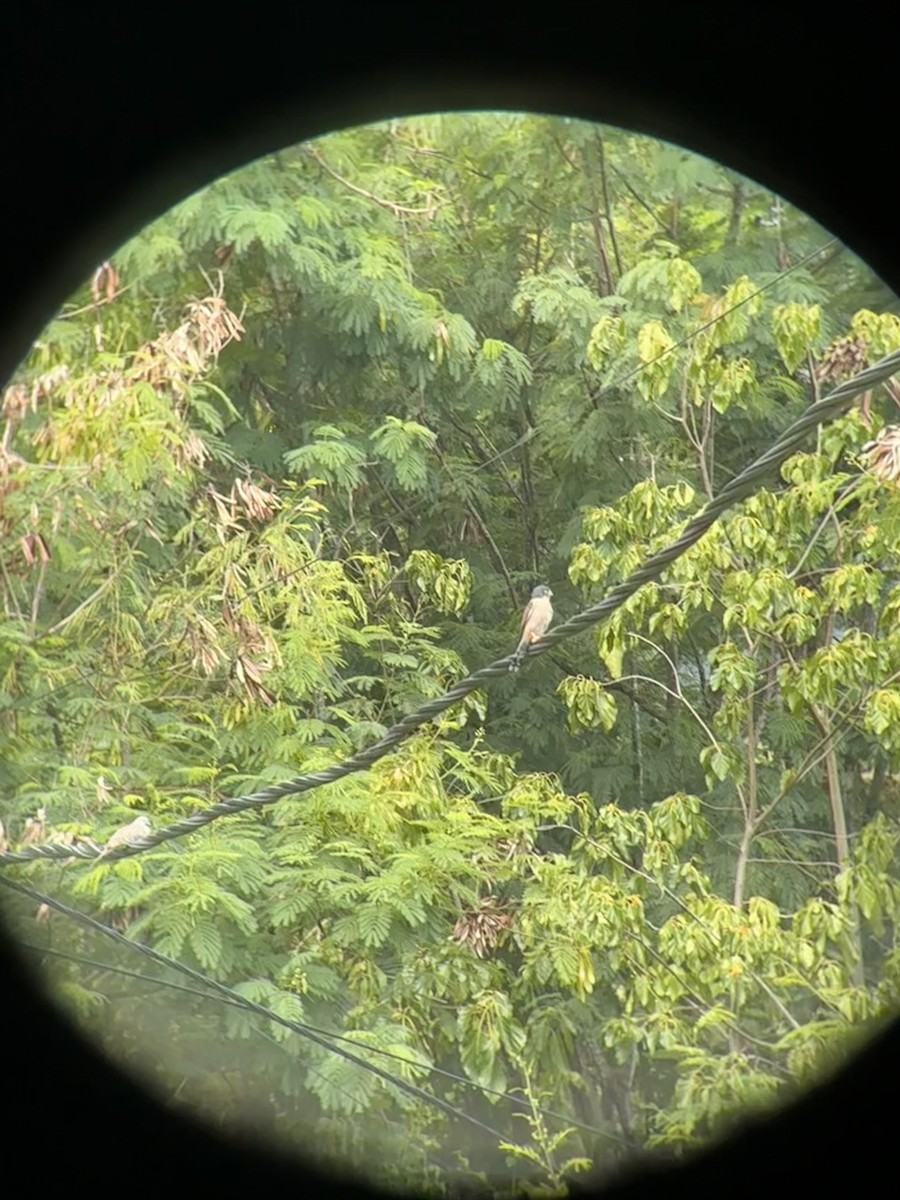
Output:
(128, 835)
(535, 622)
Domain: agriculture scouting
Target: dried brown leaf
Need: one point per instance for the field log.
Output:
(883, 455)
(15, 402)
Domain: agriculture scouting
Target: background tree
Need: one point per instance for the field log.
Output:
(289, 466)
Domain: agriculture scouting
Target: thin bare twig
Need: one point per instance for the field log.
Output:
(95, 595)
(397, 209)
(77, 312)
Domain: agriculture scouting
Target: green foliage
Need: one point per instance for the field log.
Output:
(650, 881)
(405, 445)
(796, 330)
(332, 456)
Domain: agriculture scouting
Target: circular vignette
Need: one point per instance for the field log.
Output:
(136, 197)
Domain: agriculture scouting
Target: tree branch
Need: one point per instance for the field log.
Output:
(397, 209)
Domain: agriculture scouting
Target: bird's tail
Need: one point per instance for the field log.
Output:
(518, 656)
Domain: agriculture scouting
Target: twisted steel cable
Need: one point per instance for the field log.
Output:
(738, 489)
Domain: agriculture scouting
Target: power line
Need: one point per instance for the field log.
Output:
(337, 1037)
(738, 488)
(251, 1005)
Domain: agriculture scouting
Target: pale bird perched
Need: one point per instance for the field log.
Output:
(134, 831)
(535, 622)
(883, 455)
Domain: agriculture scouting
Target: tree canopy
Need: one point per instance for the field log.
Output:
(287, 467)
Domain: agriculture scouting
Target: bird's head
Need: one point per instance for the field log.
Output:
(541, 592)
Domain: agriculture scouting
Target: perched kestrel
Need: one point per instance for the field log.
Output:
(535, 622)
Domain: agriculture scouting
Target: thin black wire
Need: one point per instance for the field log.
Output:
(735, 490)
(250, 1005)
(82, 960)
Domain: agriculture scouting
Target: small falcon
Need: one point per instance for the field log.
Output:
(134, 831)
(535, 622)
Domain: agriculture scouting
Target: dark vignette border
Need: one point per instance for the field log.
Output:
(112, 113)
